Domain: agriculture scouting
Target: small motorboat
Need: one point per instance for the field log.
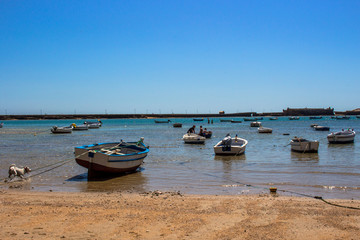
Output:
(230, 146)
(56, 129)
(303, 145)
(344, 136)
(264, 130)
(294, 118)
(80, 127)
(273, 118)
(321, 128)
(162, 121)
(177, 125)
(206, 134)
(236, 121)
(116, 157)
(255, 124)
(93, 124)
(225, 120)
(193, 138)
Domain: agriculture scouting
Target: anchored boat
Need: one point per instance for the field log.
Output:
(303, 145)
(344, 136)
(193, 138)
(230, 146)
(116, 157)
(56, 129)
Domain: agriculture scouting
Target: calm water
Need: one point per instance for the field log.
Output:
(171, 165)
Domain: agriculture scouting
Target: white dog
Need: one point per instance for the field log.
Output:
(15, 171)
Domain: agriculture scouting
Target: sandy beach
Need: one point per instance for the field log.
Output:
(172, 215)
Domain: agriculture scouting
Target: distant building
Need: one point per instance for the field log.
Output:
(221, 112)
(308, 111)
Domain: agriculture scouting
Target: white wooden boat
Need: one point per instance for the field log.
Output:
(344, 136)
(193, 138)
(116, 157)
(304, 145)
(92, 124)
(56, 129)
(230, 146)
(80, 127)
(255, 124)
(321, 128)
(294, 118)
(264, 130)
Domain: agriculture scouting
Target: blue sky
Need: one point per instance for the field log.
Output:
(178, 56)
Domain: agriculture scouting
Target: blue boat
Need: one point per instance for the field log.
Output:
(116, 157)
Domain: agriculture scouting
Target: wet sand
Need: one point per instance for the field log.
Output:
(171, 215)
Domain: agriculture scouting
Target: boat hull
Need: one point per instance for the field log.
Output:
(193, 139)
(100, 162)
(341, 137)
(235, 148)
(305, 147)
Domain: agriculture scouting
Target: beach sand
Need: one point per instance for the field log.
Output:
(171, 215)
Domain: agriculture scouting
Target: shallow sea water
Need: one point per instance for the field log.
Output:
(171, 165)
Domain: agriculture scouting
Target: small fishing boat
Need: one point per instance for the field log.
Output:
(225, 120)
(206, 134)
(264, 130)
(93, 124)
(344, 136)
(315, 117)
(116, 157)
(342, 118)
(198, 119)
(177, 125)
(357, 116)
(304, 145)
(255, 124)
(250, 119)
(314, 125)
(56, 129)
(321, 128)
(162, 121)
(193, 138)
(273, 118)
(236, 121)
(230, 146)
(294, 118)
(80, 127)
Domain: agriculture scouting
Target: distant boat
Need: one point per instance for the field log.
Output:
(230, 146)
(236, 121)
(198, 119)
(177, 125)
(117, 157)
(56, 129)
(303, 145)
(93, 124)
(273, 118)
(342, 118)
(80, 127)
(357, 116)
(162, 121)
(225, 120)
(321, 128)
(264, 130)
(344, 136)
(315, 117)
(193, 138)
(250, 119)
(255, 124)
(294, 118)
(1, 125)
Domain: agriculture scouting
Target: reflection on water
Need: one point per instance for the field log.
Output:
(172, 165)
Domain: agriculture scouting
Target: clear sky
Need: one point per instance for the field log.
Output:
(178, 56)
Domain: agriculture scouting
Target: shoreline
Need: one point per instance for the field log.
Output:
(171, 215)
